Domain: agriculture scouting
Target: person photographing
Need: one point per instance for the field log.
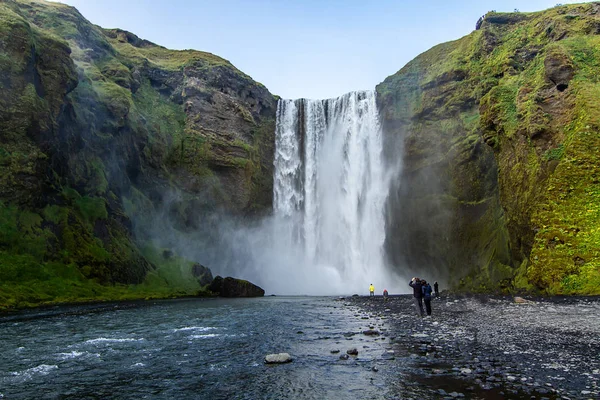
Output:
(415, 283)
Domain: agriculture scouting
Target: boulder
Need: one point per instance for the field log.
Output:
(352, 351)
(279, 358)
(232, 287)
(203, 274)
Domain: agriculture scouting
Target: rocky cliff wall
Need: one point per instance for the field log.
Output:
(99, 128)
(498, 187)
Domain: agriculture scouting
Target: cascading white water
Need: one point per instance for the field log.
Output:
(330, 189)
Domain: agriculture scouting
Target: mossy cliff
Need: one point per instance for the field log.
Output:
(500, 131)
(96, 127)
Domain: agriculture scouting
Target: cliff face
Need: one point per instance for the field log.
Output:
(500, 133)
(97, 127)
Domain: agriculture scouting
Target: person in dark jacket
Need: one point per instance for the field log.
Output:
(436, 289)
(415, 283)
(426, 288)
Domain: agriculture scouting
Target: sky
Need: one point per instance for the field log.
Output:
(303, 48)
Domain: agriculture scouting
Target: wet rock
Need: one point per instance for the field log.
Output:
(232, 287)
(335, 351)
(353, 351)
(371, 332)
(344, 357)
(279, 358)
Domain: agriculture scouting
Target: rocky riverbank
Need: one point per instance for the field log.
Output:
(491, 347)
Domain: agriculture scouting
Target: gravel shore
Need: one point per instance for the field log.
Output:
(491, 347)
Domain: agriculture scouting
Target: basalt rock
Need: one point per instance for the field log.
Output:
(232, 287)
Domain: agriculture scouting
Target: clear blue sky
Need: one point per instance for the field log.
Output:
(303, 48)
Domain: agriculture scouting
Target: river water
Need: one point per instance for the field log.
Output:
(193, 349)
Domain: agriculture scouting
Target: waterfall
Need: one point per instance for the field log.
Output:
(330, 189)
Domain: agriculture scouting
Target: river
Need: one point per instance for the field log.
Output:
(193, 349)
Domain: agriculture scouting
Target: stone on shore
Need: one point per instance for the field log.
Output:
(279, 358)
(520, 300)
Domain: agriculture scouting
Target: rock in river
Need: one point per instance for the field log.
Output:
(279, 358)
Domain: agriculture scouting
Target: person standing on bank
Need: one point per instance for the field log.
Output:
(435, 288)
(415, 283)
(371, 290)
(385, 295)
(426, 288)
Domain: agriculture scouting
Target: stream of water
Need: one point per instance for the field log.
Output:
(190, 349)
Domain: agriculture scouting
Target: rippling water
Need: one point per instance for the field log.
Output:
(191, 349)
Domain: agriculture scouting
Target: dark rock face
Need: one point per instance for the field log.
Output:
(232, 287)
(203, 274)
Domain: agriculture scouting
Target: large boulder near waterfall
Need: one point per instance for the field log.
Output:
(232, 287)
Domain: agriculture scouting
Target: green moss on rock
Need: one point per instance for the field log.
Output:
(529, 80)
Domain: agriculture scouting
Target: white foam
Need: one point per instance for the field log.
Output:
(73, 354)
(195, 328)
(207, 336)
(43, 369)
(112, 340)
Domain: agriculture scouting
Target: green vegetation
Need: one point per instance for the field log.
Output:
(532, 80)
(94, 124)
(32, 273)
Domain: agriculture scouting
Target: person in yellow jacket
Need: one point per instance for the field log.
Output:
(371, 290)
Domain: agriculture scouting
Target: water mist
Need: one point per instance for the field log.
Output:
(327, 232)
